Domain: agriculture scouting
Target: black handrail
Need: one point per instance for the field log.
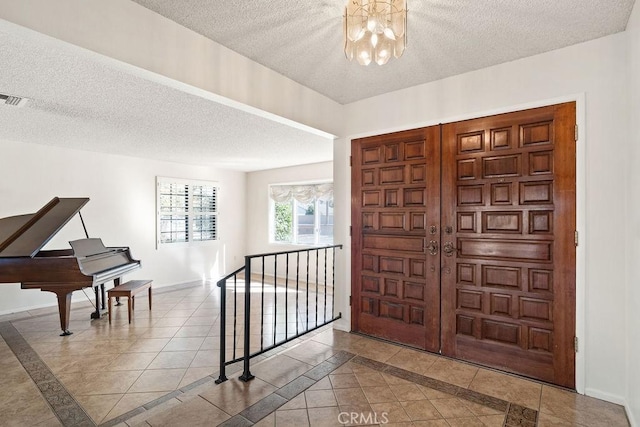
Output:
(247, 268)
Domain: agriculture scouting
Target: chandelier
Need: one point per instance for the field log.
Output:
(375, 30)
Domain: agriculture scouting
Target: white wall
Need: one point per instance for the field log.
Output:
(258, 208)
(257, 237)
(633, 224)
(258, 241)
(121, 211)
(594, 73)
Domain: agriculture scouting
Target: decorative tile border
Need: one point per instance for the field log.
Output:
(463, 393)
(519, 416)
(283, 395)
(231, 369)
(65, 407)
(515, 415)
(70, 412)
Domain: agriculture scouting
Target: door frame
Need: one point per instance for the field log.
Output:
(581, 207)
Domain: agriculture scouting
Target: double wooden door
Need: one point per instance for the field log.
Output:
(463, 240)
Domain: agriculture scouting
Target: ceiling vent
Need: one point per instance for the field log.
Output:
(15, 101)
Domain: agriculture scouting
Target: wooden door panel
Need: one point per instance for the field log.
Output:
(462, 240)
(396, 198)
(508, 284)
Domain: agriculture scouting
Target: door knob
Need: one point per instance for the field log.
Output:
(433, 247)
(448, 249)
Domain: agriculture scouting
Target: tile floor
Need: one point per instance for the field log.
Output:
(160, 370)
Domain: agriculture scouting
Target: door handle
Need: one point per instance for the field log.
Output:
(448, 249)
(433, 247)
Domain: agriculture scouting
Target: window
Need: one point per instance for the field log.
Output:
(302, 214)
(187, 211)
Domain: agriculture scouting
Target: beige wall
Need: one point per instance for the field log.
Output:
(258, 208)
(257, 237)
(121, 212)
(594, 74)
(632, 228)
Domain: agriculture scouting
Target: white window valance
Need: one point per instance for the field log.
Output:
(301, 193)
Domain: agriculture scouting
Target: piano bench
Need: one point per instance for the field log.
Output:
(129, 290)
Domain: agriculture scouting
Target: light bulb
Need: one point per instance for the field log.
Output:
(364, 50)
(383, 52)
(364, 58)
(375, 23)
(388, 32)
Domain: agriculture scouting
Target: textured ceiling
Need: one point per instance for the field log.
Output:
(82, 101)
(303, 39)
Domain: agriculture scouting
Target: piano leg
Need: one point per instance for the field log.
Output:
(64, 301)
(96, 314)
(64, 307)
(103, 306)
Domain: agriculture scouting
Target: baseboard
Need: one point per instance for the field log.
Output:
(618, 400)
(86, 295)
(342, 325)
(26, 309)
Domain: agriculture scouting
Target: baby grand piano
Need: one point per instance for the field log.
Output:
(87, 264)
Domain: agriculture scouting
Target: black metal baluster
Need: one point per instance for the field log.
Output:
(235, 316)
(223, 313)
(324, 319)
(275, 297)
(307, 312)
(297, 292)
(317, 284)
(246, 374)
(262, 310)
(286, 299)
(333, 285)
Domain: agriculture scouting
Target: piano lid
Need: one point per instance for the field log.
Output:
(25, 235)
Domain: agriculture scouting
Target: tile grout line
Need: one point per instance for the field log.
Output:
(515, 415)
(55, 392)
(66, 408)
(280, 397)
(81, 305)
(160, 400)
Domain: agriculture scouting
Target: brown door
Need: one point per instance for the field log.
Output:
(503, 263)
(396, 199)
(508, 282)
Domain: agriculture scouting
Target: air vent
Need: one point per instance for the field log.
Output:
(15, 101)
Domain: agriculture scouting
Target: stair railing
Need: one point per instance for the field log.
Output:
(318, 273)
